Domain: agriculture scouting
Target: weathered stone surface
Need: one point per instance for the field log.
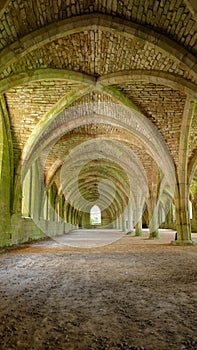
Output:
(20, 18)
(77, 73)
(163, 106)
(95, 52)
(27, 105)
(193, 134)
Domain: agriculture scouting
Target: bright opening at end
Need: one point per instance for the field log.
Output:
(95, 215)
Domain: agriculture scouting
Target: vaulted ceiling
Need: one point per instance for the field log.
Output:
(98, 91)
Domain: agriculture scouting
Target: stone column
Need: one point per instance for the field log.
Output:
(114, 223)
(182, 188)
(138, 227)
(26, 198)
(152, 202)
(130, 218)
(182, 216)
(51, 204)
(70, 217)
(117, 224)
(75, 222)
(194, 212)
(153, 211)
(60, 211)
(124, 223)
(6, 175)
(45, 210)
(35, 192)
(168, 219)
(140, 202)
(153, 222)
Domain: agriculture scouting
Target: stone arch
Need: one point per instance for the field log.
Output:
(84, 22)
(95, 215)
(45, 74)
(111, 151)
(192, 167)
(149, 76)
(155, 77)
(134, 122)
(115, 153)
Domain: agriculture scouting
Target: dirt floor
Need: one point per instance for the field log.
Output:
(131, 294)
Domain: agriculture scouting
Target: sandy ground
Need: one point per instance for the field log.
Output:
(132, 294)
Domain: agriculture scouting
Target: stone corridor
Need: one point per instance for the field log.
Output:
(97, 110)
(98, 174)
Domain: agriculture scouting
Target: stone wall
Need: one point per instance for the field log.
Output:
(24, 229)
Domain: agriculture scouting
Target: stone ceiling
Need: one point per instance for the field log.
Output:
(122, 72)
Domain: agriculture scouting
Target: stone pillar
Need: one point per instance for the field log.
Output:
(152, 202)
(124, 223)
(26, 190)
(45, 211)
(70, 217)
(6, 175)
(194, 213)
(51, 204)
(153, 223)
(169, 218)
(58, 208)
(117, 224)
(75, 218)
(140, 203)
(66, 206)
(153, 212)
(35, 192)
(161, 215)
(52, 201)
(60, 211)
(182, 216)
(138, 227)
(130, 218)
(182, 188)
(114, 224)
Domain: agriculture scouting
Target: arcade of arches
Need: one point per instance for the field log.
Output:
(98, 106)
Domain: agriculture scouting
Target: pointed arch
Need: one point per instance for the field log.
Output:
(95, 215)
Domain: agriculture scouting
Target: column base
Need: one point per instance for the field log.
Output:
(138, 233)
(154, 234)
(130, 232)
(183, 243)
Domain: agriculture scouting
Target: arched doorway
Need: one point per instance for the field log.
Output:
(95, 215)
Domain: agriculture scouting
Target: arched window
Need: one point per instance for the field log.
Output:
(95, 215)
